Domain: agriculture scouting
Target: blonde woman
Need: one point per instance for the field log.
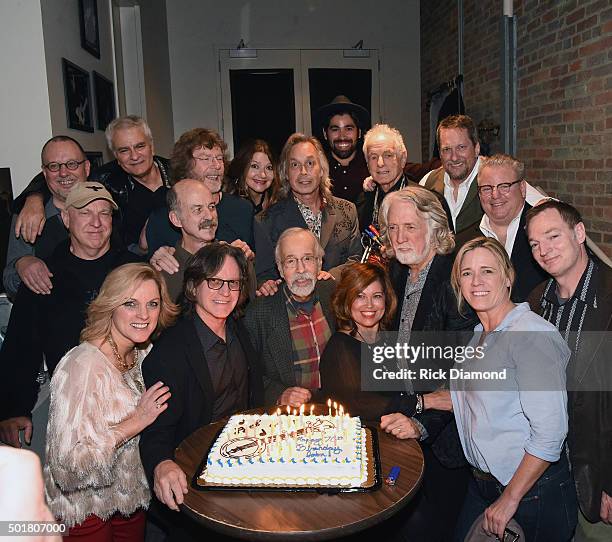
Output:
(512, 434)
(94, 478)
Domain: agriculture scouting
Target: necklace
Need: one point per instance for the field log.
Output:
(124, 364)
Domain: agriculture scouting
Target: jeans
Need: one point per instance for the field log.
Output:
(548, 512)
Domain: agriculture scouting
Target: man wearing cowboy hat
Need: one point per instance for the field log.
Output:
(342, 123)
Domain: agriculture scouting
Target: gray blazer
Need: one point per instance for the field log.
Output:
(267, 323)
(339, 228)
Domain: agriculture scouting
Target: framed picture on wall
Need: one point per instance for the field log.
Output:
(90, 32)
(77, 91)
(95, 158)
(104, 92)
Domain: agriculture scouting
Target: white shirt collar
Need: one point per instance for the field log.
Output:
(464, 188)
(487, 230)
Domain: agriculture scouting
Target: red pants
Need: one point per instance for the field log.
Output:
(117, 528)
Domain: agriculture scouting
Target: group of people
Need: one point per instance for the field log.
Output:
(255, 294)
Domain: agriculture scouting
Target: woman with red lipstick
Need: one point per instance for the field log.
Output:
(253, 175)
(364, 303)
(95, 482)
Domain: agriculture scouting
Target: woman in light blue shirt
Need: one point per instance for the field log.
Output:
(512, 413)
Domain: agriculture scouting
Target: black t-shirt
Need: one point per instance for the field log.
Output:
(140, 204)
(49, 325)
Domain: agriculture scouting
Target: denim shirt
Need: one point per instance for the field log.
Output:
(527, 412)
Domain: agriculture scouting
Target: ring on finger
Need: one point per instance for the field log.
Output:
(157, 404)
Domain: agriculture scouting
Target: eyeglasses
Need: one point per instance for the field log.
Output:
(217, 284)
(503, 188)
(209, 159)
(56, 166)
(291, 262)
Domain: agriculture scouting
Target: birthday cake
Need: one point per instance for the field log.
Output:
(288, 450)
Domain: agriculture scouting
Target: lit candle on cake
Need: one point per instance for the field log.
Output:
(341, 416)
(311, 410)
(346, 426)
(329, 407)
(288, 410)
(302, 416)
(335, 409)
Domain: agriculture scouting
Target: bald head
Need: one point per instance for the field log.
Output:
(192, 208)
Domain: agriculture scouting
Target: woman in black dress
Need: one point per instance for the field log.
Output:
(364, 304)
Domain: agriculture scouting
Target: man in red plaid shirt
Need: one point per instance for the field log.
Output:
(291, 328)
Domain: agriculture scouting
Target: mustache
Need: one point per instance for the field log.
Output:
(303, 276)
(207, 223)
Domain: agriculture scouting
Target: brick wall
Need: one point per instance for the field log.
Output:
(438, 54)
(565, 105)
(565, 90)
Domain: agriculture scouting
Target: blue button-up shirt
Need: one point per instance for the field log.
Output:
(499, 421)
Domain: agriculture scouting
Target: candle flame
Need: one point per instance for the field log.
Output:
(329, 402)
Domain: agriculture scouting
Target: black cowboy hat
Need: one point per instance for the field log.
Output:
(341, 104)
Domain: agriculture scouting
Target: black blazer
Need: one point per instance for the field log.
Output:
(178, 361)
(528, 273)
(589, 399)
(437, 311)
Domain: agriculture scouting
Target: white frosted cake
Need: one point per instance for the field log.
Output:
(285, 450)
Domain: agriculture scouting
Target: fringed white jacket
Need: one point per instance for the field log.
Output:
(84, 473)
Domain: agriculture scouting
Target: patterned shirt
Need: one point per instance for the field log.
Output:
(412, 297)
(568, 315)
(310, 332)
(313, 220)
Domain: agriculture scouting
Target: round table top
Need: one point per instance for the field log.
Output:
(266, 515)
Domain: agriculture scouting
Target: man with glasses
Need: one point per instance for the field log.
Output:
(501, 189)
(199, 154)
(459, 151)
(289, 329)
(307, 202)
(64, 164)
(137, 179)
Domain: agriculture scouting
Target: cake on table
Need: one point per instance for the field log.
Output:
(288, 451)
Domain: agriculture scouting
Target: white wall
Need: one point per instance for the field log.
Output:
(157, 74)
(24, 100)
(196, 27)
(62, 38)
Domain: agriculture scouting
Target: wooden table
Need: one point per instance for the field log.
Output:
(299, 515)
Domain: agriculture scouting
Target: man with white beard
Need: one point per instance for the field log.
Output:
(289, 330)
(421, 242)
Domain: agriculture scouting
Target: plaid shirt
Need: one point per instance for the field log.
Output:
(309, 335)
